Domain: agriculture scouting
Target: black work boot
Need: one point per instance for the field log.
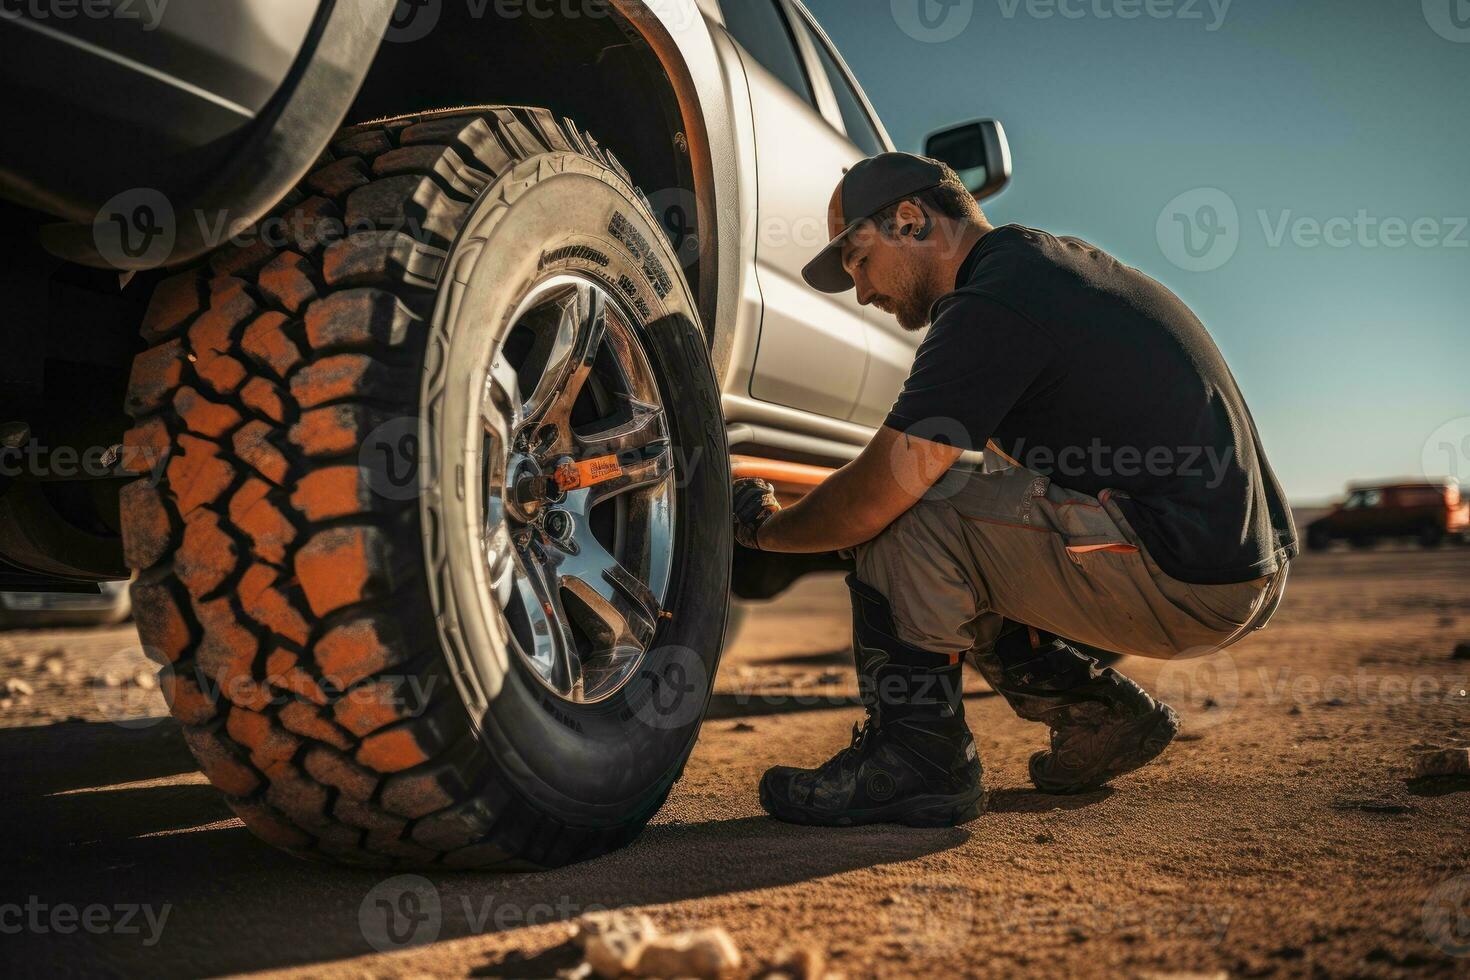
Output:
(1102, 724)
(913, 760)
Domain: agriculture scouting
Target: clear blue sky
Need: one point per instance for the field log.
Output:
(1350, 357)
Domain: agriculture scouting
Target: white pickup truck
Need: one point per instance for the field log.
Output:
(419, 433)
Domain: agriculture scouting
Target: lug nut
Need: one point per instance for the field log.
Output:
(558, 524)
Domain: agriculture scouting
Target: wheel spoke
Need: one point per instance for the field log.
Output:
(650, 471)
(555, 646)
(638, 436)
(501, 408)
(636, 426)
(622, 611)
(579, 335)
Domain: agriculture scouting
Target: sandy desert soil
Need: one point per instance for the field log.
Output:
(1282, 835)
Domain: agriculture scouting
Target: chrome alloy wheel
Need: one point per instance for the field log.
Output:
(578, 488)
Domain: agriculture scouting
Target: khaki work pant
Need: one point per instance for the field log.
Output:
(983, 547)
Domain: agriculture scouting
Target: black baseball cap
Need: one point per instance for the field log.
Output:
(869, 187)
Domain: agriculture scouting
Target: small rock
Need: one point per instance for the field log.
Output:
(31, 661)
(831, 677)
(1045, 838)
(708, 954)
(145, 679)
(1296, 709)
(19, 688)
(5, 704)
(613, 941)
(55, 665)
(621, 944)
(796, 964)
(1445, 762)
(1462, 652)
(112, 680)
(1334, 702)
(1210, 703)
(741, 726)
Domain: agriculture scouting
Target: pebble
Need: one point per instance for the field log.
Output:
(145, 679)
(19, 688)
(1444, 762)
(796, 964)
(55, 665)
(622, 944)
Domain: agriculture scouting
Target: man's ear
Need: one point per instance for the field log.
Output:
(910, 219)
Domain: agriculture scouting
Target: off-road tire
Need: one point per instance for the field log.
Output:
(293, 609)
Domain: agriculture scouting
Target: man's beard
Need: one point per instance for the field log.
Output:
(910, 306)
(912, 312)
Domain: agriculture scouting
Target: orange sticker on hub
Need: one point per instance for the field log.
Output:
(588, 473)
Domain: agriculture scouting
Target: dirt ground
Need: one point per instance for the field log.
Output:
(1282, 835)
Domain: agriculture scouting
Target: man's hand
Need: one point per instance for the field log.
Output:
(857, 502)
(755, 501)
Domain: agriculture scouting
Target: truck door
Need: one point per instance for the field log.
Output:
(813, 350)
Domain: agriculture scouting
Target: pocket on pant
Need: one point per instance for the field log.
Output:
(1083, 523)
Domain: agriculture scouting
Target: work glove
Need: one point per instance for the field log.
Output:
(755, 501)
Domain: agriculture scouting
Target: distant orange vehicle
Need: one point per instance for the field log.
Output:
(1429, 511)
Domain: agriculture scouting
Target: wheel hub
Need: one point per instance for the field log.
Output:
(578, 479)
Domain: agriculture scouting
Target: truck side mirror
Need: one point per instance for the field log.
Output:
(978, 152)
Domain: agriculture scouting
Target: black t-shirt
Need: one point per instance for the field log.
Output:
(1091, 373)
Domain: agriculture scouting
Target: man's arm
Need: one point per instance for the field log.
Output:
(855, 504)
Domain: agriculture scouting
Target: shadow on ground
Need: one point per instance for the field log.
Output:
(101, 815)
